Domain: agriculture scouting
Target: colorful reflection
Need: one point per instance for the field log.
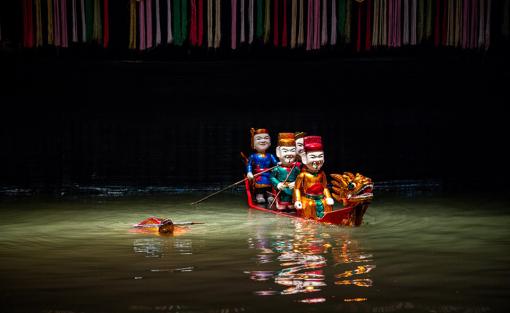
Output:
(302, 258)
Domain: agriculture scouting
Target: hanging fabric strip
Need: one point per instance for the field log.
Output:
(251, 12)
(466, 24)
(384, 23)
(57, 23)
(90, 18)
(317, 28)
(333, 23)
(83, 21)
(420, 22)
(428, 20)
(505, 26)
(260, 23)
(358, 31)
(63, 10)
(474, 23)
(267, 22)
(293, 23)
(309, 30)
(348, 21)
(210, 38)
(368, 27)
(481, 29)
(29, 24)
(148, 23)
(413, 22)
(158, 24)
(444, 23)
(217, 33)
(341, 19)
(132, 24)
(242, 26)
(391, 23)
(458, 22)
(177, 22)
(233, 34)
(141, 18)
(437, 24)
(38, 24)
(184, 20)
(193, 23)
(97, 30)
(451, 18)
(375, 32)
(200, 22)
(405, 39)
(301, 24)
(284, 31)
(275, 23)
(488, 11)
(169, 34)
(49, 11)
(324, 23)
(398, 23)
(74, 21)
(106, 23)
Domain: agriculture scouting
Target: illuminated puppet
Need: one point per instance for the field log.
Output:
(258, 162)
(311, 194)
(300, 147)
(284, 175)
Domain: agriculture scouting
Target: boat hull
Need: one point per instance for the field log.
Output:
(347, 216)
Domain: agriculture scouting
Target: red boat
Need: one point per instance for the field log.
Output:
(346, 216)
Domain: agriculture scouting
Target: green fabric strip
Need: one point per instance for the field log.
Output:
(341, 18)
(184, 20)
(260, 19)
(505, 31)
(89, 16)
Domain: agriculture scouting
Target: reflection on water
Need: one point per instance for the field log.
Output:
(303, 258)
(158, 247)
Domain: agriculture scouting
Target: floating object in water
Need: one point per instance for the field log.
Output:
(161, 225)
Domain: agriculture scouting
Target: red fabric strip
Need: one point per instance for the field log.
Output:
(368, 41)
(284, 32)
(200, 22)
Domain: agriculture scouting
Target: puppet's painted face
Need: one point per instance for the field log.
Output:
(287, 155)
(300, 148)
(314, 160)
(261, 142)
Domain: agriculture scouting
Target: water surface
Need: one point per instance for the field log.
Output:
(426, 253)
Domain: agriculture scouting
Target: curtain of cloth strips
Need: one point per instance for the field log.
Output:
(358, 25)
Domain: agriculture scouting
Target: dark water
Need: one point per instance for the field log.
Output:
(413, 254)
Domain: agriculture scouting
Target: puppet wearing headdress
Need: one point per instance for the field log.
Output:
(300, 146)
(312, 198)
(258, 162)
(284, 175)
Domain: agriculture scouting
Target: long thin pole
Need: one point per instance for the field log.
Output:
(230, 186)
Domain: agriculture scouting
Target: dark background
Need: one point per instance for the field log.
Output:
(179, 117)
(68, 121)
